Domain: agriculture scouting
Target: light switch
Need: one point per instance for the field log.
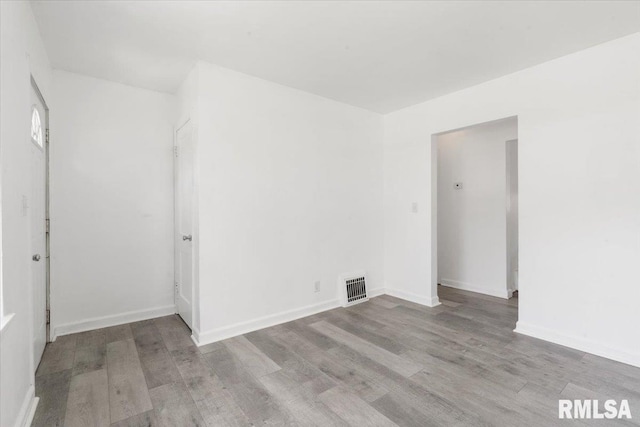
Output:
(414, 207)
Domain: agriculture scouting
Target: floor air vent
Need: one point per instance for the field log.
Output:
(355, 290)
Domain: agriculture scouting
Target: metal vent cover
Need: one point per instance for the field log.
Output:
(355, 290)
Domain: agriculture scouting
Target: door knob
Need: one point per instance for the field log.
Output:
(36, 257)
(187, 237)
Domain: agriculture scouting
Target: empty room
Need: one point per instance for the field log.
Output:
(319, 213)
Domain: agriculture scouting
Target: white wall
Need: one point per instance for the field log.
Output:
(111, 203)
(472, 221)
(579, 167)
(21, 54)
(290, 193)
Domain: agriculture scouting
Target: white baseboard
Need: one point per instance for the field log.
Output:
(218, 334)
(31, 412)
(195, 335)
(375, 292)
(450, 283)
(418, 299)
(112, 320)
(264, 322)
(578, 343)
(28, 408)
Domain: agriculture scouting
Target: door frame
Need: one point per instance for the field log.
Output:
(176, 228)
(511, 146)
(433, 197)
(47, 198)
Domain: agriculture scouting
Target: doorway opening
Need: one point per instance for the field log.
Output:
(36, 205)
(475, 209)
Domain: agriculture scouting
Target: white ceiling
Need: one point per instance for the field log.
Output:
(381, 56)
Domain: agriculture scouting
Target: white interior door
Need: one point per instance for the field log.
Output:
(512, 215)
(184, 189)
(37, 224)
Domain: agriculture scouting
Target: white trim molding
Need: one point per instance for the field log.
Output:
(371, 293)
(578, 343)
(112, 320)
(418, 299)
(28, 408)
(450, 283)
(219, 334)
(5, 321)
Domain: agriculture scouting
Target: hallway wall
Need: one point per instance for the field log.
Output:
(290, 193)
(111, 203)
(579, 166)
(472, 221)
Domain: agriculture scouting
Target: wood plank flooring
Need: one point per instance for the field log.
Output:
(381, 363)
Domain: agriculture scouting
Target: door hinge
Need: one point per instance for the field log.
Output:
(175, 150)
(46, 135)
(46, 221)
(48, 317)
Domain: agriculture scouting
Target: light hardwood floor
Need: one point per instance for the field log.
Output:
(383, 362)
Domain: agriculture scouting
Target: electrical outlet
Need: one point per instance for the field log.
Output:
(316, 286)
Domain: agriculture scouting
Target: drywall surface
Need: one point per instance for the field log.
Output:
(579, 170)
(22, 55)
(111, 203)
(290, 193)
(472, 220)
